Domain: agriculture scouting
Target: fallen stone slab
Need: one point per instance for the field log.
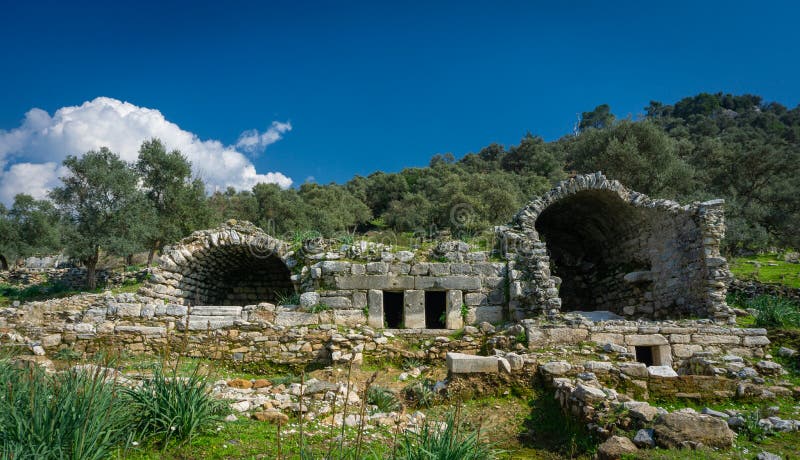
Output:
(680, 429)
(460, 363)
(661, 371)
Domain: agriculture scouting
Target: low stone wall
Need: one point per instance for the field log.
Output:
(750, 289)
(71, 278)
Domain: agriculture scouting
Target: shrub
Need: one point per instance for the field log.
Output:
(173, 408)
(384, 398)
(444, 441)
(75, 414)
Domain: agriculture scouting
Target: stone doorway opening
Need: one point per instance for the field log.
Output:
(645, 355)
(593, 239)
(435, 307)
(393, 309)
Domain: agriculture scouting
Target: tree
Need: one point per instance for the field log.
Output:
(599, 118)
(102, 208)
(180, 204)
(8, 238)
(534, 156)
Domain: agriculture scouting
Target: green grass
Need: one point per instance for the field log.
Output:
(770, 311)
(55, 290)
(781, 272)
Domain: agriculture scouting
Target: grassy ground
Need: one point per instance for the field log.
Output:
(767, 268)
(51, 290)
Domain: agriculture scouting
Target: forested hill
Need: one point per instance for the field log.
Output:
(739, 148)
(708, 146)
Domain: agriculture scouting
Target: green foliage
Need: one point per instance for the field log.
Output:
(75, 415)
(383, 398)
(449, 440)
(178, 201)
(318, 308)
(102, 208)
(167, 407)
(775, 311)
(288, 298)
(548, 427)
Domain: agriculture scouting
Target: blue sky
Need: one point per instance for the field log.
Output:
(372, 86)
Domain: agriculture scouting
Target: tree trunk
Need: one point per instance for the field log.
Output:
(91, 269)
(129, 260)
(3, 262)
(152, 253)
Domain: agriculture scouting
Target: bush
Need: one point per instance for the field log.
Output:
(421, 393)
(444, 441)
(173, 408)
(75, 415)
(384, 398)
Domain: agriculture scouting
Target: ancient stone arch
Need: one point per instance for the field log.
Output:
(592, 244)
(235, 264)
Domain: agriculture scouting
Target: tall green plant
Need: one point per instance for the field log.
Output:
(448, 440)
(71, 415)
(171, 408)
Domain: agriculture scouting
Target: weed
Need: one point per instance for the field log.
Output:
(383, 398)
(288, 298)
(319, 308)
(448, 439)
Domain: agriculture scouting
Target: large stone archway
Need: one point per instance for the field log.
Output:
(592, 244)
(236, 264)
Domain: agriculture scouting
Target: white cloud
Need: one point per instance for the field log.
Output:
(252, 141)
(31, 154)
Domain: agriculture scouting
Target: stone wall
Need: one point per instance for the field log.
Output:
(71, 278)
(750, 289)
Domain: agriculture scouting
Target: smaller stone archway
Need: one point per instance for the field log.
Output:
(235, 264)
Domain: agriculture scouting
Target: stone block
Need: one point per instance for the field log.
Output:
(567, 335)
(208, 310)
(351, 282)
(685, 350)
(453, 319)
(489, 313)
(438, 269)
(349, 317)
(459, 363)
(708, 339)
(309, 299)
(337, 302)
(389, 282)
(142, 330)
(661, 371)
(375, 302)
(359, 300)
(645, 340)
(419, 269)
(755, 341)
(333, 267)
(295, 318)
(460, 282)
(475, 298)
(377, 268)
(414, 309)
(602, 338)
(51, 340)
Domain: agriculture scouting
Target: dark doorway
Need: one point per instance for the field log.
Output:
(393, 309)
(644, 355)
(435, 305)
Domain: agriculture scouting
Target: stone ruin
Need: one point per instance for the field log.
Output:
(589, 244)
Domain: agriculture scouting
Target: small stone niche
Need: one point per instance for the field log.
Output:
(653, 355)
